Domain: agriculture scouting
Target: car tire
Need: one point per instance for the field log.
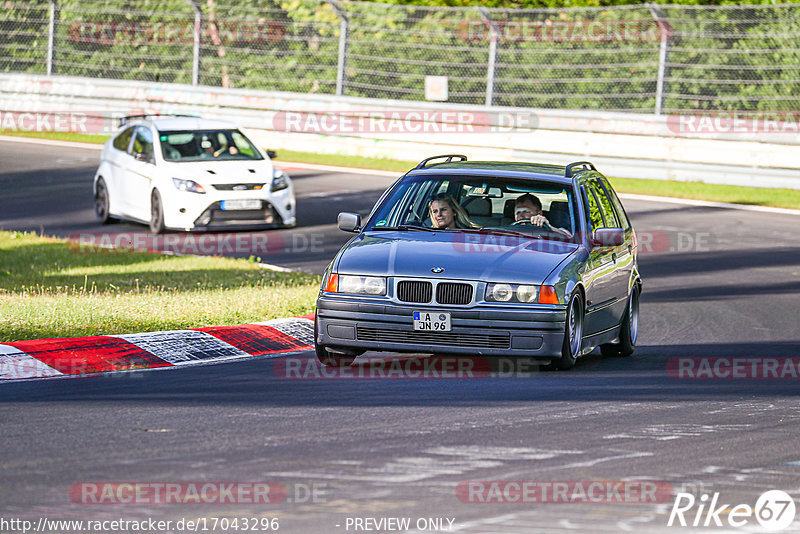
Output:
(156, 213)
(573, 333)
(328, 358)
(102, 203)
(629, 331)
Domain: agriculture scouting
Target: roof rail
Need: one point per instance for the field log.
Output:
(424, 162)
(127, 118)
(587, 166)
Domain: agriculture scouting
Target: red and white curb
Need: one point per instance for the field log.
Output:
(46, 358)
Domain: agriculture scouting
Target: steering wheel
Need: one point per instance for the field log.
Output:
(521, 221)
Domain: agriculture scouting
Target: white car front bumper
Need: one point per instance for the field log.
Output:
(192, 211)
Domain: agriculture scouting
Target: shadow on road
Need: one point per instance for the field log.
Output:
(680, 264)
(265, 382)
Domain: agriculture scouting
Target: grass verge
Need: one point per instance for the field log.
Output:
(360, 162)
(735, 194)
(59, 136)
(755, 196)
(48, 289)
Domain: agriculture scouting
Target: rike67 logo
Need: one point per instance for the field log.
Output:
(774, 511)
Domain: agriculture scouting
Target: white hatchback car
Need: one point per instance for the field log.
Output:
(187, 173)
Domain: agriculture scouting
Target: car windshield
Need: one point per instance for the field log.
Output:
(530, 208)
(205, 145)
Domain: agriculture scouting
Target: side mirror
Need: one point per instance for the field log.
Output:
(349, 222)
(608, 237)
(141, 156)
(271, 154)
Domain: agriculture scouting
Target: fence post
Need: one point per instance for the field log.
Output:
(51, 36)
(663, 53)
(196, 37)
(490, 71)
(344, 42)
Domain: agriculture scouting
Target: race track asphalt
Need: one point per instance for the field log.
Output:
(718, 283)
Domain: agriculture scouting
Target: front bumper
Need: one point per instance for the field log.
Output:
(215, 218)
(486, 330)
(190, 211)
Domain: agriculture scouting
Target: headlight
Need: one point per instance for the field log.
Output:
(527, 293)
(280, 180)
(511, 293)
(188, 185)
(362, 285)
(499, 292)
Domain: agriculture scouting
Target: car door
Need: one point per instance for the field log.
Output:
(119, 160)
(621, 255)
(139, 174)
(600, 272)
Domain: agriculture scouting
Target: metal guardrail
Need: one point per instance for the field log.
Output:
(625, 145)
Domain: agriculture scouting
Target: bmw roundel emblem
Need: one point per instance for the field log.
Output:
(437, 270)
(441, 317)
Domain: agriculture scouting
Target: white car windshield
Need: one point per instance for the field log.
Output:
(205, 145)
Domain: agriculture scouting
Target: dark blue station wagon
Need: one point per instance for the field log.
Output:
(485, 258)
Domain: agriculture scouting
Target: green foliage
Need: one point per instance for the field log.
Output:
(741, 57)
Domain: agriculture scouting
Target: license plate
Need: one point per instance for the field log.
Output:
(238, 204)
(432, 321)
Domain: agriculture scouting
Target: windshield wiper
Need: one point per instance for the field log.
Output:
(500, 231)
(410, 227)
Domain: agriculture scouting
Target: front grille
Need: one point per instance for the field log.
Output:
(412, 291)
(447, 339)
(238, 187)
(453, 293)
(213, 216)
(220, 216)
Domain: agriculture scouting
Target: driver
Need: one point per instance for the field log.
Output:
(528, 208)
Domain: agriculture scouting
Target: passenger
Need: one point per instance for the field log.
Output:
(528, 208)
(206, 147)
(447, 213)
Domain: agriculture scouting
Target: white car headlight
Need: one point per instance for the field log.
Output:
(362, 285)
(188, 185)
(512, 293)
(280, 180)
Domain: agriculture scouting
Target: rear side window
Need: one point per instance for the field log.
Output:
(604, 203)
(612, 195)
(595, 218)
(123, 140)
